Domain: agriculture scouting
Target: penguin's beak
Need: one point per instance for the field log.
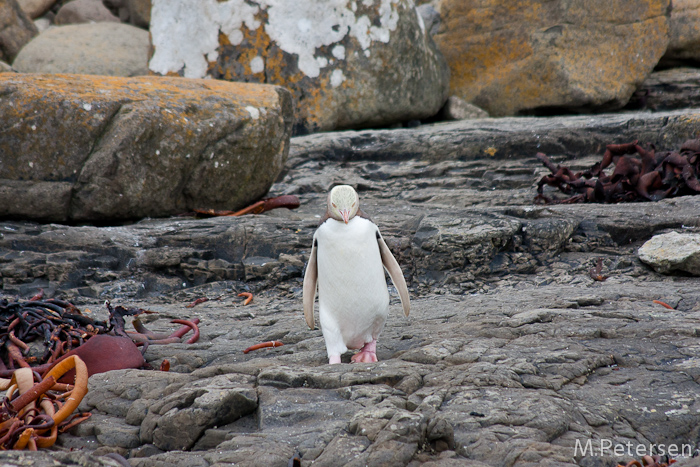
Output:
(346, 214)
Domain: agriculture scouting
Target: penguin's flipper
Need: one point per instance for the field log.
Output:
(395, 273)
(310, 279)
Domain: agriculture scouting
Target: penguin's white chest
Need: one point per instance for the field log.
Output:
(352, 291)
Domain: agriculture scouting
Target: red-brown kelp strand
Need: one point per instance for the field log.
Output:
(663, 304)
(263, 345)
(284, 201)
(39, 295)
(116, 317)
(145, 336)
(595, 272)
(248, 297)
(639, 175)
(33, 393)
(191, 325)
(57, 324)
(197, 302)
(74, 420)
(201, 300)
(32, 414)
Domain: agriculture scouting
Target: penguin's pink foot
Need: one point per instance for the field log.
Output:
(367, 354)
(333, 359)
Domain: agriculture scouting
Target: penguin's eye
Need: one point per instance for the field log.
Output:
(353, 205)
(334, 205)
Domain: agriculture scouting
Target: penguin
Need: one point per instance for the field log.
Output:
(346, 266)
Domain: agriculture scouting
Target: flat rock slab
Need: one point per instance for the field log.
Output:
(88, 148)
(503, 138)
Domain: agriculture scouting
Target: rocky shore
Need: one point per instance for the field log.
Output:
(537, 335)
(513, 353)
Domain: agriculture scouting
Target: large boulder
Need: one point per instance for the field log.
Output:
(538, 56)
(16, 29)
(112, 49)
(685, 33)
(348, 64)
(87, 148)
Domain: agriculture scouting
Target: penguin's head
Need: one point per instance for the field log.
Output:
(343, 203)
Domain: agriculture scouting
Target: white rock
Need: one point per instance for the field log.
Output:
(672, 251)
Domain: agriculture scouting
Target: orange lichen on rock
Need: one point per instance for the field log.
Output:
(170, 90)
(511, 57)
(126, 148)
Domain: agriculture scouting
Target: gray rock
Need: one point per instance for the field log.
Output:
(45, 458)
(110, 49)
(344, 450)
(675, 88)
(136, 12)
(42, 24)
(251, 449)
(42, 200)
(178, 421)
(129, 148)
(672, 251)
(694, 462)
(371, 64)
(6, 68)
(35, 8)
(172, 459)
(84, 11)
(459, 109)
(430, 16)
(684, 31)
(16, 30)
(118, 435)
(129, 259)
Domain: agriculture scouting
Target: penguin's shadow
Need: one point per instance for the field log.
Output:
(381, 355)
(392, 349)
